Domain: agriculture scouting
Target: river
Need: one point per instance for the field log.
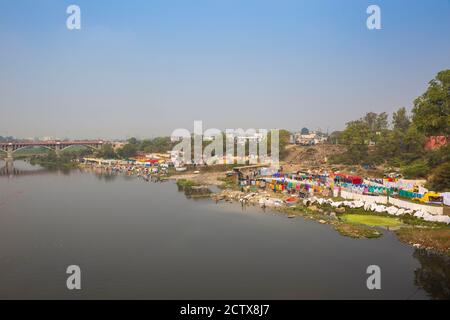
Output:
(140, 240)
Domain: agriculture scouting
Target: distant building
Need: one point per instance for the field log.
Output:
(312, 138)
(48, 139)
(243, 137)
(256, 137)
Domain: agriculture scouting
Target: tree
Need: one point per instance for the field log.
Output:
(335, 137)
(158, 144)
(400, 120)
(107, 152)
(284, 137)
(431, 112)
(52, 156)
(133, 140)
(371, 120)
(304, 131)
(356, 132)
(440, 178)
(381, 122)
(128, 150)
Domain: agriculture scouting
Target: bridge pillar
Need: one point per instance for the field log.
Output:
(9, 152)
(58, 150)
(9, 165)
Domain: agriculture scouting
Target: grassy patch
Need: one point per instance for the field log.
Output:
(192, 189)
(228, 183)
(357, 231)
(437, 239)
(371, 220)
(185, 183)
(351, 230)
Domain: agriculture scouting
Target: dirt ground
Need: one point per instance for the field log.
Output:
(310, 157)
(205, 178)
(316, 159)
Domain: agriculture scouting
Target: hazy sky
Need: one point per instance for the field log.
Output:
(144, 68)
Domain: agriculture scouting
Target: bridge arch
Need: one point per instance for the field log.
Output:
(58, 146)
(81, 145)
(32, 147)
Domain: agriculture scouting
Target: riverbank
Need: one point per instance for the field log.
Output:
(351, 222)
(349, 218)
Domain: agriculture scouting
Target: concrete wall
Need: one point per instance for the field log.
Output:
(434, 210)
(416, 206)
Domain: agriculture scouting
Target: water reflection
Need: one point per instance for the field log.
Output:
(433, 276)
(107, 174)
(9, 168)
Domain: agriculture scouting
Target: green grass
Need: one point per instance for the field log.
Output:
(185, 183)
(371, 220)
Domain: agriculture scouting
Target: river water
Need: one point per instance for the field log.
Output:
(140, 240)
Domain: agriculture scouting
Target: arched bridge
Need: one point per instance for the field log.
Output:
(57, 146)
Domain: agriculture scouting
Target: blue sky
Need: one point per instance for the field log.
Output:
(144, 68)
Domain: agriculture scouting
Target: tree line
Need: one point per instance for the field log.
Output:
(372, 140)
(163, 144)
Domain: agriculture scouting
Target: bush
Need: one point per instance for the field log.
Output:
(417, 169)
(440, 178)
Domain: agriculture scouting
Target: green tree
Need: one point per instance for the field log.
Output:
(158, 144)
(400, 120)
(335, 137)
(381, 122)
(128, 150)
(440, 178)
(431, 112)
(133, 140)
(107, 152)
(284, 136)
(356, 132)
(52, 156)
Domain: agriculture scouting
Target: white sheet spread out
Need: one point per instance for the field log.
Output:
(446, 196)
(379, 208)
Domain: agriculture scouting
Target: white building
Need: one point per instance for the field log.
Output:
(309, 139)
